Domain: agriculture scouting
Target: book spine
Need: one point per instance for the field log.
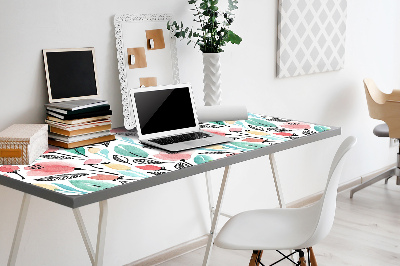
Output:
(80, 116)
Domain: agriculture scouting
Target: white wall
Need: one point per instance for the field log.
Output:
(148, 221)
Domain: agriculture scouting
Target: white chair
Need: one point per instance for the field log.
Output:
(287, 229)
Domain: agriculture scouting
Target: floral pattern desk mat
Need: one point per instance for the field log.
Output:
(96, 167)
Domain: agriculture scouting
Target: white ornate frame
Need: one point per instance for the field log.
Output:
(119, 20)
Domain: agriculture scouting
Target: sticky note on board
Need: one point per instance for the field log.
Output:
(137, 54)
(148, 82)
(155, 39)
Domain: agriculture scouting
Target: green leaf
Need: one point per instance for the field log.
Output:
(199, 159)
(234, 38)
(248, 145)
(91, 185)
(79, 151)
(221, 123)
(131, 151)
(321, 128)
(203, 5)
(133, 174)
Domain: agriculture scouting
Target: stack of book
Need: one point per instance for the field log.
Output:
(78, 123)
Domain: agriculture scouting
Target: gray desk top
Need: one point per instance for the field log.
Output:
(81, 176)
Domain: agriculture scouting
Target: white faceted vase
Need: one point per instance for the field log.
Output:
(212, 75)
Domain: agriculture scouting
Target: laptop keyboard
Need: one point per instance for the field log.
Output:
(180, 138)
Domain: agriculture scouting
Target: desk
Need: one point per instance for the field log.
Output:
(96, 173)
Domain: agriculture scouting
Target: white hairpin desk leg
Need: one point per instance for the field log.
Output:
(210, 194)
(211, 237)
(85, 236)
(19, 229)
(101, 233)
(277, 182)
(95, 258)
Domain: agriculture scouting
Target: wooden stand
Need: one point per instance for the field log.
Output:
(255, 258)
(313, 260)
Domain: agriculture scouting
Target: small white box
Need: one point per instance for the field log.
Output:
(23, 143)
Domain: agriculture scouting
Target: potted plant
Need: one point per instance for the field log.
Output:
(212, 35)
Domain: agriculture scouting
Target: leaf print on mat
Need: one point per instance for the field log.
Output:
(91, 185)
(117, 166)
(253, 140)
(120, 158)
(103, 177)
(296, 125)
(131, 141)
(61, 177)
(213, 131)
(221, 123)
(93, 150)
(199, 159)
(260, 122)
(284, 134)
(133, 174)
(92, 161)
(68, 189)
(131, 151)
(104, 153)
(275, 137)
(79, 151)
(173, 156)
(49, 168)
(321, 128)
(46, 186)
(149, 167)
(248, 145)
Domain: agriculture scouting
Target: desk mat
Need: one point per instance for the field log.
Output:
(96, 167)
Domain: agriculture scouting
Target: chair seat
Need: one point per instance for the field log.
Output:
(381, 130)
(269, 229)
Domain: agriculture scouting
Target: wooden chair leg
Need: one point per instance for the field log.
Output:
(255, 258)
(302, 259)
(313, 260)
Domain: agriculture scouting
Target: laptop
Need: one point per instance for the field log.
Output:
(166, 118)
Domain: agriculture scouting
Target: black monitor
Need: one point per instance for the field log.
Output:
(70, 74)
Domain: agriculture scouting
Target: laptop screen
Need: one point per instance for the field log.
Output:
(164, 110)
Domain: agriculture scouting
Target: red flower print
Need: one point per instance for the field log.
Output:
(214, 131)
(52, 149)
(103, 177)
(8, 168)
(284, 134)
(92, 161)
(253, 140)
(235, 129)
(149, 167)
(173, 156)
(49, 168)
(296, 125)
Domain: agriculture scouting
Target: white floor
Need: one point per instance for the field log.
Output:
(366, 232)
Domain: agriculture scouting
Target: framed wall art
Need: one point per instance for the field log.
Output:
(311, 36)
(146, 53)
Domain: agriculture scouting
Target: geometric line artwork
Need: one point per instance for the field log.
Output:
(311, 36)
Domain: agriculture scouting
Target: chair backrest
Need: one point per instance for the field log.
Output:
(382, 106)
(327, 203)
